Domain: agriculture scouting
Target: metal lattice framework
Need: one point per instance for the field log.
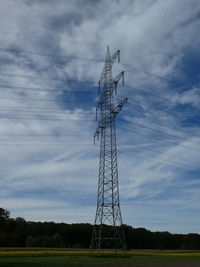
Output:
(108, 231)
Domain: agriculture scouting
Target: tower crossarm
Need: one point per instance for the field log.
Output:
(99, 105)
(114, 111)
(119, 106)
(114, 88)
(100, 125)
(115, 56)
(117, 79)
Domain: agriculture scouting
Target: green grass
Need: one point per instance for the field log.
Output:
(84, 258)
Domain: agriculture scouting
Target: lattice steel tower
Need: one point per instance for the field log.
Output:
(108, 231)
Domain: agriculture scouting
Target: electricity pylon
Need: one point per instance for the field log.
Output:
(108, 231)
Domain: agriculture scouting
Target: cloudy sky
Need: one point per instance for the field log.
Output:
(51, 56)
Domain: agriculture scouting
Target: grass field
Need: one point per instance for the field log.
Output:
(57, 258)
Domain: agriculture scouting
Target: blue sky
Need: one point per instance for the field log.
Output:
(51, 57)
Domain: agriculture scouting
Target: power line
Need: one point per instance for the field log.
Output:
(152, 95)
(172, 135)
(45, 100)
(32, 77)
(87, 59)
(152, 74)
(20, 51)
(130, 131)
(166, 140)
(41, 118)
(44, 140)
(37, 77)
(42, 135)
(172, 162)
(61, 101)
(7, 116)
(133, 101)
(176, 162)
(31, 109)
(156, 130)
(81, 43)
(50, 144)
(47, 89)
(165, 161)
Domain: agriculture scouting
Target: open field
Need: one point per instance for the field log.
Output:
(15, 257)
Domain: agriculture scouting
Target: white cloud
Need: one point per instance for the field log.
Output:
(154, 43)
(191, 96)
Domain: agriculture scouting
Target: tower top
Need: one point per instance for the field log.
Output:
(108, 53)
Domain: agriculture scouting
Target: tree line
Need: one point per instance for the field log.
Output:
(17, 232)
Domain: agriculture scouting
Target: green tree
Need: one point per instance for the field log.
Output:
(58, 241)
(29, 241)
(4, 214)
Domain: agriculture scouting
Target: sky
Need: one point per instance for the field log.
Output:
(51, 57)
